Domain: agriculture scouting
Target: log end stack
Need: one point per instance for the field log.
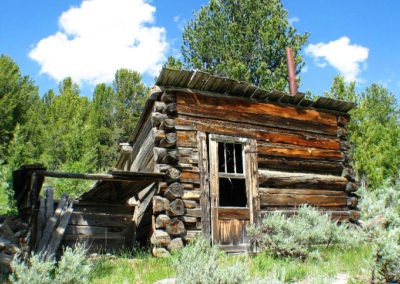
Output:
(13, 240)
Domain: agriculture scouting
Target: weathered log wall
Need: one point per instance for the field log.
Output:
(103, 227)
(302, 158)
(302, 153)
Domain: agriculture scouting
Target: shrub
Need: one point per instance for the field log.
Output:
(381, 221)
(199, 262)
(73, 267)
(387, 257)
(301, 234)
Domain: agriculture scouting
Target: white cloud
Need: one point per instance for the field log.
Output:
(294, 20)
(348, 59)
(101, 36)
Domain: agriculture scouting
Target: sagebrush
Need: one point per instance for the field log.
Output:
(73, 267)
(302, 234)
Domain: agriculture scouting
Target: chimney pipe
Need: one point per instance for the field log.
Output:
(291, 67)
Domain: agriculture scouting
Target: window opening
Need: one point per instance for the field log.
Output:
(232, 181)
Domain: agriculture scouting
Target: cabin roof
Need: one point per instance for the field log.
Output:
(205, 82)
(198, 81)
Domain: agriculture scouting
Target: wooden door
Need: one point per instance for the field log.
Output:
(231, 186)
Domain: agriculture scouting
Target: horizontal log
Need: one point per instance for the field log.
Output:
(287, 164)
(191, 195)
(157, 118)
(174, 191)
(297, 200)
(168, 97)
(280, 150)
(263, 133)
(351, 187)
(168, 124)
(190, 203)
(301, 191)
(94, 208)
(162, 220)
(189, 220)
(176, 208)
(193, 212)
(233, 213)
(190, 176)
(300, 180)
(350, 174)
(160, 238)
(98, 232)
(165, 156)
(176, 228)
(196, 103)
(159, 107)
(187, 139)
(169, 140)
(170, 109)
(160, 204)
(342, 132)
(100, 219)
(352, 202)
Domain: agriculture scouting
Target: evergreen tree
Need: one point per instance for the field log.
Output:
(374, 131)
(131, 95)
(244, 40)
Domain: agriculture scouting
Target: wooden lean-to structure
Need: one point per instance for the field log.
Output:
(210, 156)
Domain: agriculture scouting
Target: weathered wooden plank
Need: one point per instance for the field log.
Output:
(193, 212)
(301, 191)
(191, 203)
(97, 232)
(103, 208)
(269, 134)
(41, 219)
(191, 195)
(186, 139)
(195, 103)
(51, 223)
(58, 233)
(296, 200)
(100, 219)
(288, 164)
(233, 213)
(204, 185)
(279, 150)
(190, 176)
(300, 180)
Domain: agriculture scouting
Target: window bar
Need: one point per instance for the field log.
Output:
(234, 158)
(226, 164)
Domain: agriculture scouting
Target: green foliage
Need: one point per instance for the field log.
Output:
(173, 63)
(17, 95)
(381, 220)
(131, 95)
(301, 235)
(199, 262)
(374, 131)
(387, 256)
(73, 267)
(243, 40)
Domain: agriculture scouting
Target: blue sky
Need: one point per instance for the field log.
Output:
(89, 40)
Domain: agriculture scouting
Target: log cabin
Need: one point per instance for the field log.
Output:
(211, 155)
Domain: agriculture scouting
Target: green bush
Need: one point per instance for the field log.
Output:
(381, 221)
(73, 267)
(199, 262)
(301, 235)
(387, 256)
